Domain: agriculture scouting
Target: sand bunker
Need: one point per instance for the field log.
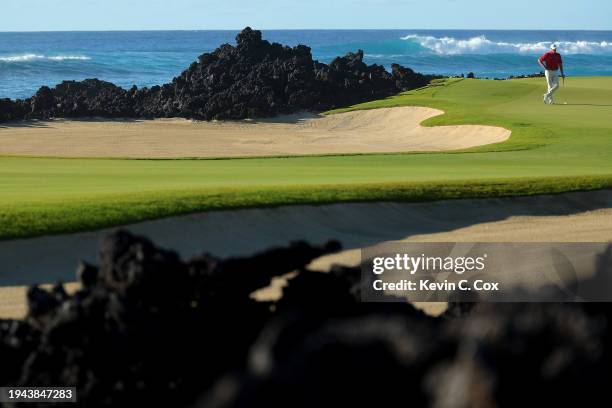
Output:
(572, 217)
(374, 131)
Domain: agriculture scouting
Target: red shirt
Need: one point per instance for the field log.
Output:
(551, 60)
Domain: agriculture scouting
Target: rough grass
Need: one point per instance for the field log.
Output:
(552, 149)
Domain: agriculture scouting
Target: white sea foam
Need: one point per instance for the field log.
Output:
(37, 57)
(21, 58)
(69, 58)
(482, 45)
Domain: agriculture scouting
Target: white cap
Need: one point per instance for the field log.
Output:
(553, 47)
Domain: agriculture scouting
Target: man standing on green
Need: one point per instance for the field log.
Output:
(551, 62)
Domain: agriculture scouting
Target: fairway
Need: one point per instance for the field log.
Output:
(552, 149)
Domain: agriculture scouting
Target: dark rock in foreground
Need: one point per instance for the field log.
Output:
(148, 329)
(252, 79)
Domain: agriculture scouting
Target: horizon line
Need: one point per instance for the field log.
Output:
(294, 29)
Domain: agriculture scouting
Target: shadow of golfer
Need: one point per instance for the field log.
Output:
(583, 104)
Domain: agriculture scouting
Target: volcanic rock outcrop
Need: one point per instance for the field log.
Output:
(150, 329)
(254, 78)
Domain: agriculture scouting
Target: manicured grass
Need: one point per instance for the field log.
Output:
(552, 149)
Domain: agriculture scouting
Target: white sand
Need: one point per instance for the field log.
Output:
(572, 217)
(13, 304)
(374, 131)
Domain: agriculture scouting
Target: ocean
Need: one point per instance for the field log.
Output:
(146, 58)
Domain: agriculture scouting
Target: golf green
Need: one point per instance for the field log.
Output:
(554, 148)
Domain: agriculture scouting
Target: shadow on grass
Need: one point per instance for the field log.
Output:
(583, 104)
(245, 232)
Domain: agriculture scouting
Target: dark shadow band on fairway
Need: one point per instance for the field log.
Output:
(244, 232)
(583, 104)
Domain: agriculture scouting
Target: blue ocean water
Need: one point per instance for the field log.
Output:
(146, 58)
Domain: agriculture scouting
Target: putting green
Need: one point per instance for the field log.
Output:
(552, 149)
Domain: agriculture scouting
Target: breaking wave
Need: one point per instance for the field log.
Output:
(482, 45)
(37, 57)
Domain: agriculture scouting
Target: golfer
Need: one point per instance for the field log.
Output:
(551, 62)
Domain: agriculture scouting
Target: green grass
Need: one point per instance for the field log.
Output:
(552, 149)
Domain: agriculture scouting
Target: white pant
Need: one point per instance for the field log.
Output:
(552, 77)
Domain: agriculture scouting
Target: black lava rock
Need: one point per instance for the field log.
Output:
(149, 329)
(254, 78)
(13, 110)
